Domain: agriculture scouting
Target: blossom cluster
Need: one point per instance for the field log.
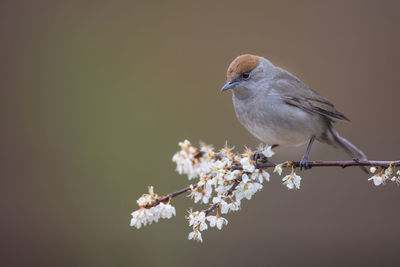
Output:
(385, 175)
(292, 180)
(225, 179)
(146, 215)
(193, 161)
(198, 220)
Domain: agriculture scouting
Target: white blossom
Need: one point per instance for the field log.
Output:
(197, 196)
(166, 211)
(234, 205)
(278, 169)
(245, 178)
(144, 216)
(259, 175)
(203, 226)
(267, 152)
(217, 221)
(247, 165)
(396, 178)
(226, 207)
(139, 218)
(372, 169)
(222, 189)
(382, 177)
(252, 188)
(388, 172)
(377, 179)
(194, 194)
(232, 175)
(197, 220)
(195, 235)
(246, 190)
(292, 181)
(144, 200)
(192, 161)
(147, 198)
(222, 204)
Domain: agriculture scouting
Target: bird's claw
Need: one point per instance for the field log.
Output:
(258, 156)
(304, 163)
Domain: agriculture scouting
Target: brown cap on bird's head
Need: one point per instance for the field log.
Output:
(240, 65)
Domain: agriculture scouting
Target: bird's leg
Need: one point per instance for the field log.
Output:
(304, 161)
(258, 155)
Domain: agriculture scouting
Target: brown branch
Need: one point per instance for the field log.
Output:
(167, 197)
(270, 164)
(211, 208)
(332, 163)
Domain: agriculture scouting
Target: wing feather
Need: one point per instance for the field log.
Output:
(305, 98)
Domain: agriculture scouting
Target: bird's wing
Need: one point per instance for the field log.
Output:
(296, 93)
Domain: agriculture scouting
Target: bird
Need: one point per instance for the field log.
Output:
(280, 110)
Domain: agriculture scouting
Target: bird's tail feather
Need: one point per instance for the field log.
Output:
(351, 149)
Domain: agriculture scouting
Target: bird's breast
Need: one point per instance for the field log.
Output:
(273, 121)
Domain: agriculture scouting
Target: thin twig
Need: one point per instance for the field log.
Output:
(168, 197)
(228, 193)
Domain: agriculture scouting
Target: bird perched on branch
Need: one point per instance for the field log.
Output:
(278, 109)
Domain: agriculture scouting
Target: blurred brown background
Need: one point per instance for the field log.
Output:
(96, 95)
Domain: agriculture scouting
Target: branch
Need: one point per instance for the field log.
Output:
(333, 163)
(270, 164)
(167, 197)
(225, 174)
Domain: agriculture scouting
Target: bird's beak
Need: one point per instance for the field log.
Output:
(228, 86)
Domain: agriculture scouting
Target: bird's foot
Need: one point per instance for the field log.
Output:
(259, 156)
(304, 163)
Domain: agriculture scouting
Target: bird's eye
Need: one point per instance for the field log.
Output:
(246, 75)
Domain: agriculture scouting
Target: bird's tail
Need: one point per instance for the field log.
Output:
(345, 144)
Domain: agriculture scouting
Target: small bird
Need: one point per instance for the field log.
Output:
(279, 109)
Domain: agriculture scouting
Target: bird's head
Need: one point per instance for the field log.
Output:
(246, 72)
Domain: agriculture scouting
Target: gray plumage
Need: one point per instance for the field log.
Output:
(278, 109)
